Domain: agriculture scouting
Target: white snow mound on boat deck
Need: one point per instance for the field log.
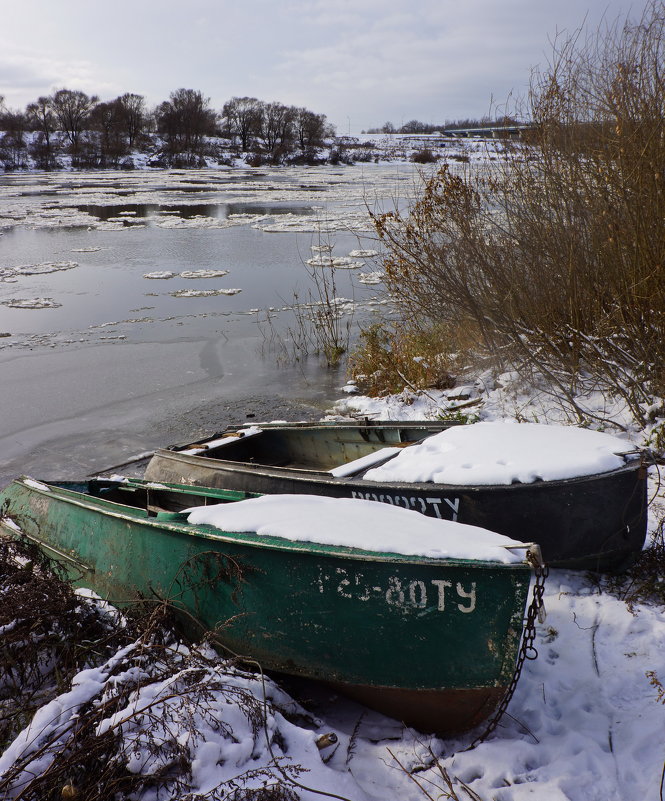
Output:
(357, 523)
(505, 453)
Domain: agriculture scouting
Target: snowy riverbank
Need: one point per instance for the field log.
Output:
(224, 153)
(585, 723)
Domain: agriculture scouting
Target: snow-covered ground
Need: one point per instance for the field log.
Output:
(586, 722)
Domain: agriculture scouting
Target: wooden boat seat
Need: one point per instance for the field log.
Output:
(161, 513)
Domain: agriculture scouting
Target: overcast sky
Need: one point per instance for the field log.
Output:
(360, 62)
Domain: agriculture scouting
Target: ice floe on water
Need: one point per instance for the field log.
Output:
(200, 221)
(112, 225)
(320, 261)
(10, 273)
(326, 201)
(245, 219)
(336, 221)
(87, 209)
(203, 293)
(165, 274)
(363, 254)
(203, 273)
(160, 274)
(341, 263)
(188, 222)
(371, 278)
(30, 303)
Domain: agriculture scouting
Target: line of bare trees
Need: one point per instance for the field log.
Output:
(182, 130)
(419, 127)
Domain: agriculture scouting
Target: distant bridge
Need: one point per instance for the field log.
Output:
(493, 131)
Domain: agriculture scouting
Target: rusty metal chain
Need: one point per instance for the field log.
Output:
(536, 611)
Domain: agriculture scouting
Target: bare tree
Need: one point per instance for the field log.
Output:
(277, 126)
(132, 113)
(106, 120)
(242, 118)
(12, 143)
(41, 118)
(311, 129)
(72, 109)
(185, 120)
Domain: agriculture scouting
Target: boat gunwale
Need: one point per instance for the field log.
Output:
(252, 539)
(323, 425)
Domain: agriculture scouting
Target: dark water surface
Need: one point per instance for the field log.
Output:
(108, 363)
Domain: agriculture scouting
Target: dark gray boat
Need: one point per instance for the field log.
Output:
(595, 522)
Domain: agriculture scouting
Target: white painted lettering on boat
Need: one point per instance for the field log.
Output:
(470, 595)
(341, 589)
(454, 505)
(418, 594)
(395, 593)
(416, 502)
(401, 592)
(441, 586)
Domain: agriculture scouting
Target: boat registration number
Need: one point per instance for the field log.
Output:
(436, 594)
(440, 507)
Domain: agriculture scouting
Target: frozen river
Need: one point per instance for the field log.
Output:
(133, 304)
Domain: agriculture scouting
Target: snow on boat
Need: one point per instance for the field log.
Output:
(422, 621)
(580, 494)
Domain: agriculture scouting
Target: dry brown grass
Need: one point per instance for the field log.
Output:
(388, 358)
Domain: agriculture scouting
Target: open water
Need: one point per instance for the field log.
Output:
(134, 306)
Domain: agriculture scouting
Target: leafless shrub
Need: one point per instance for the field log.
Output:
(424, 156)
(555, 257)
(48, 634)
(134, 723)
(322, 325)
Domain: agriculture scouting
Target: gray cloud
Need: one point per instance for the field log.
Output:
(364, 61)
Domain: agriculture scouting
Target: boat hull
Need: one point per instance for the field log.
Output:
(431, 642)
(596, 522)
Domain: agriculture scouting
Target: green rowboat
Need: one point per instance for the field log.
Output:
(432, 642)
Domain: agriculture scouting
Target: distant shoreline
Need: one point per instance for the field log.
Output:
(223, 154)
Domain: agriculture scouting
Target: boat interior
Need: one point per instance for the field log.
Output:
(311, 448)
(156, 500)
